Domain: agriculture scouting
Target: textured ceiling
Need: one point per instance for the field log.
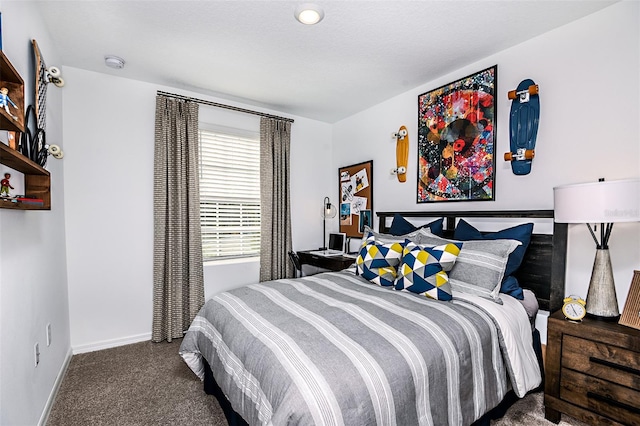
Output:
(361, 54)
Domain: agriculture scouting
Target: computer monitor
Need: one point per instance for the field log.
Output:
(337, 241)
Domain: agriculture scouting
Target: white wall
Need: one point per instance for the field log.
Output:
(33, 281)
(588, 77)
(109, 138)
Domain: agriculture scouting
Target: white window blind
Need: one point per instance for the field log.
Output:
(229, 194)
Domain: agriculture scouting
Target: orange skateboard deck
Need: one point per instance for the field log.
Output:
(402, 153)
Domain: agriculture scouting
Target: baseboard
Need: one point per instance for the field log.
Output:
(54, 391)
(106, 344)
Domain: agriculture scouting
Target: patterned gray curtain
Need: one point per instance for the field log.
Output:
(178, 282)
(275, 212)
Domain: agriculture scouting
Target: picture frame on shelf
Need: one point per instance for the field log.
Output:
(456, 140)
(631, 313)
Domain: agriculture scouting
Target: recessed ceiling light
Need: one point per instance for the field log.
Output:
(114, 62)
(309, 14)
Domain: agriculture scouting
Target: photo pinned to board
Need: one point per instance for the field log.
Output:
(358, 204)
(345, 213)
(365, 220)
(360, 180)
(347, 191)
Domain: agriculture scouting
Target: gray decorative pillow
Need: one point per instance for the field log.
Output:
(480, 266)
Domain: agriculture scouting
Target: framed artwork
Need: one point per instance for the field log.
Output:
(456, 140)
(355, 187)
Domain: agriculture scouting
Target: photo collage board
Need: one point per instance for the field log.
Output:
(356, 198)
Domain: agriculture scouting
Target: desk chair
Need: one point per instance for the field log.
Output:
(297, 266)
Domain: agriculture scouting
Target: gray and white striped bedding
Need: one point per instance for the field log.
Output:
(334, 349)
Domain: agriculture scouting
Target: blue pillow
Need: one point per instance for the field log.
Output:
(511, 286)
(401, 226)
(522, 233)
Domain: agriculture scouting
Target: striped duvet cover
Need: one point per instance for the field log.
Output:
(334, 349)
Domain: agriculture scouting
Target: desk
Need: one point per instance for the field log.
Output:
(333, 263)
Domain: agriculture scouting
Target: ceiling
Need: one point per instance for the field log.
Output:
(255, 52)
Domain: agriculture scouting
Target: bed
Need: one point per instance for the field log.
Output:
(342, 348)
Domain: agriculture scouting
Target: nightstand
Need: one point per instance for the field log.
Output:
(592, 371)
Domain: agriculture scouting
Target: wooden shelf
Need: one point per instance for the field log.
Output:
(37, 180)
(10, 79)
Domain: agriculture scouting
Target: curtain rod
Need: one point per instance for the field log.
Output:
(218, 105)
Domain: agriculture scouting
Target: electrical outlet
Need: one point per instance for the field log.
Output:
(36, 353)
(49, 334)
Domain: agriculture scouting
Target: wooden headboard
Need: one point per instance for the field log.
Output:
(543, 267)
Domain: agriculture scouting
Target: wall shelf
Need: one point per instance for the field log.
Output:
(37, 180)
(10, 79)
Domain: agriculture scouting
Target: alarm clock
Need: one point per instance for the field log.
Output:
(574, 308)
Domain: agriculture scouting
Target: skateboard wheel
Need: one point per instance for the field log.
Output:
(403, 133)
(534, 89)
(58, 82)
(512, 94)
(402, 170)
(529, 154)
(55, 151)
(508, 156)
(54, 71)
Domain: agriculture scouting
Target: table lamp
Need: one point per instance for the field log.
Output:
(328, 211)
(604, 203)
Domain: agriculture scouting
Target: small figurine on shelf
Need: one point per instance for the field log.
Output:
(5, 100)
(5, 185)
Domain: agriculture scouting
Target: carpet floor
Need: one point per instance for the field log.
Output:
(149, 384)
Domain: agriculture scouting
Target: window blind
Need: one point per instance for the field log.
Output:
(229, 194)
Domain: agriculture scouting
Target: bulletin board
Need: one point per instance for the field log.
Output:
(355, 188)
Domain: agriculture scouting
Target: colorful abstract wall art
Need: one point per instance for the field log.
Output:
(456, 140)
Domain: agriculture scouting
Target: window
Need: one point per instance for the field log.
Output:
(229, 193)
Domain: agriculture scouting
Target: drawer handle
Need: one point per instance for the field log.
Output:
(614, 365)
(612, 401)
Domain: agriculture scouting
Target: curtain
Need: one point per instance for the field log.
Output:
(275, 211)
(178, 282)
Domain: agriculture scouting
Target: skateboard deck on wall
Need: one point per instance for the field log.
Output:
(523, 126)
(44, 76)
(402, 153)
(33, 144)
(41, 87)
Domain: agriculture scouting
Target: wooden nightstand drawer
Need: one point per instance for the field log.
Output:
(601, 396)
(602, 360)
(592, 372)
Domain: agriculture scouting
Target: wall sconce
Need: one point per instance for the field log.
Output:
(604, 203)
(328, 212)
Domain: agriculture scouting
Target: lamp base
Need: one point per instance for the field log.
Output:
(601, 318)
(602, 302)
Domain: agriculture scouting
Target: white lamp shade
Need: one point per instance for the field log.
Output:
(598, 202)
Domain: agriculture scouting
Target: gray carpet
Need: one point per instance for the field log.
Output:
(149, 384)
